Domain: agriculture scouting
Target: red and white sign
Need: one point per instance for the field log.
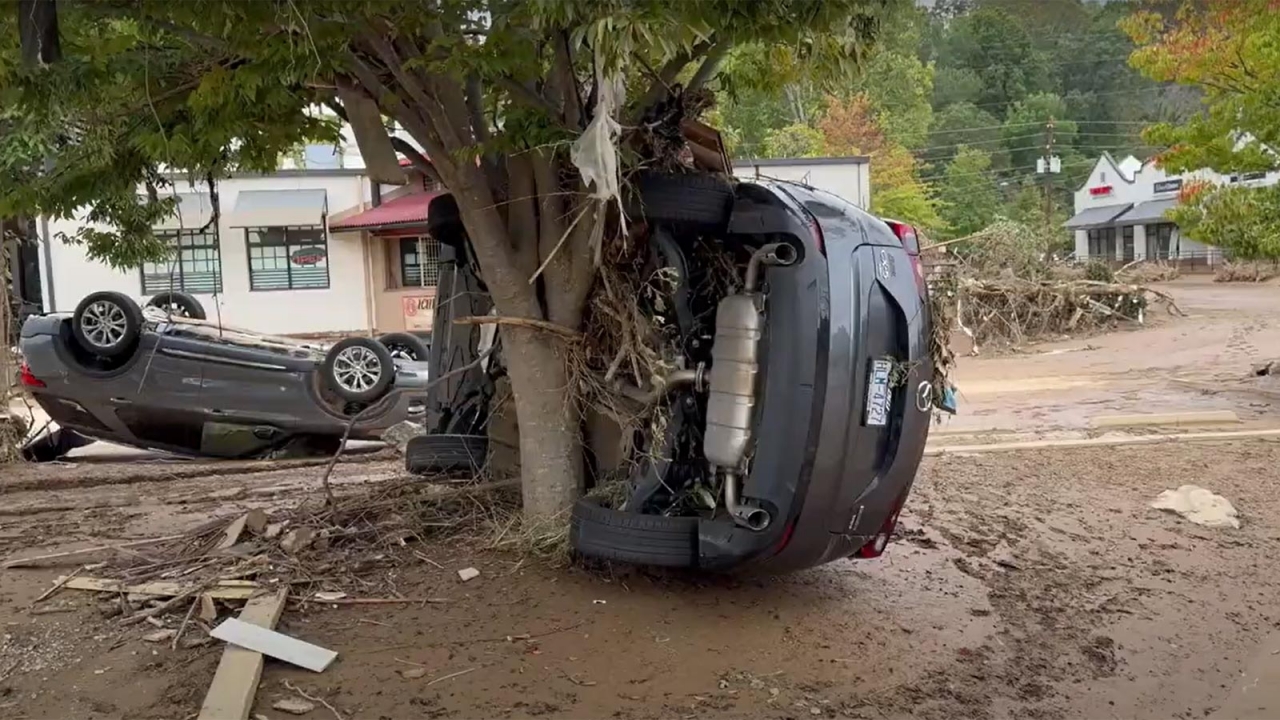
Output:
(1100, 190)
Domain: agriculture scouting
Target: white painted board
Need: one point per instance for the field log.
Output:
(274, 644)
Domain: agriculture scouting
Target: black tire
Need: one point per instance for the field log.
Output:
(179, 304)
(700, 202)
(445, 453)
(405, 346)
(341, 374)
(599, 532)
(87, 324)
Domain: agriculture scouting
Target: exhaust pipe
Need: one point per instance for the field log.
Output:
(748, 516)
(735, 364)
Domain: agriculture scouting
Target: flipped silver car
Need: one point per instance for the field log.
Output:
(164, 378)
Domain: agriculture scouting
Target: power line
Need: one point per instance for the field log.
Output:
(1041, 122)
(1015, 138)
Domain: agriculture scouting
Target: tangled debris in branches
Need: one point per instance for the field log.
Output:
(1142, 271)
(1014, 310)
(1247, 271)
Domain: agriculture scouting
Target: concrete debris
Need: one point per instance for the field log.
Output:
(297, 540)
(294, 706)
(256, 521)
(160, 635)
(466, 574)
(398, 435)
(273, 530)
(1199, 506)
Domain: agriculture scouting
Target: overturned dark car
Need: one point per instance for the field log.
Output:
(164, 378)
(796, 415)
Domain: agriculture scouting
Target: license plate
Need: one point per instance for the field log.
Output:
(879, 396)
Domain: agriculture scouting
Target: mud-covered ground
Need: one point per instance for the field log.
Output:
(1023, 585)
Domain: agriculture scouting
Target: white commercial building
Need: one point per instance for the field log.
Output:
(848, 177)
(1120, 212)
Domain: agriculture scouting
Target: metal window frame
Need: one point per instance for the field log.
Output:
(288, 246)
(177, 277)
(419, 243)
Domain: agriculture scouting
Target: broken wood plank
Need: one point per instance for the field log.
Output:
(224, 590)
(1177, 419)
(277, 645)
(23, 562)
(232, 534)
(1224, 436)
(235, 682)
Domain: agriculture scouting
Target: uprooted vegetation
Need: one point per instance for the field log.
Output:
(1006, 290)
(1247, 271)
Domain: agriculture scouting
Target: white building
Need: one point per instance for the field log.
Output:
(1119, 212)
(848, 177)
(270, 264)
(316, 250)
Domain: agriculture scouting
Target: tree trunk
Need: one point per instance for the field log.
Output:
(551, 457)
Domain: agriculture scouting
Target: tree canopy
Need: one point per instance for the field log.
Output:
(102, 98)
(1229, 50)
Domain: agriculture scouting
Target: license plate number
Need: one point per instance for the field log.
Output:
(879, 395)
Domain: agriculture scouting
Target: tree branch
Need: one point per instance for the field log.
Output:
(709, 67)
(529, 98)
(475, 109)
(522, 217)
(565, 80)
(667, 75)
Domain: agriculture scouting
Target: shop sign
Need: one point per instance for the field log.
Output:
(308, 256)
(419, 311)
(1100, 190)
(1167, 186)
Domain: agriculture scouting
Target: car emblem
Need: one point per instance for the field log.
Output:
(885, 265)
(924, 396)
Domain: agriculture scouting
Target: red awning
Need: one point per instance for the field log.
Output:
(404, 211)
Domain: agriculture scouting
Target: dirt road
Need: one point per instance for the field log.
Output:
(1195, 363)
(1032, 584)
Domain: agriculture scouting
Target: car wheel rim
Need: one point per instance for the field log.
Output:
(104, 324)
(357, 369)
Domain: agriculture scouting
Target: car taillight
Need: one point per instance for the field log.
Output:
(911, 243)
(816, 230)
(26, 379)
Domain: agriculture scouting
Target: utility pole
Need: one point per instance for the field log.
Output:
(1048, 172)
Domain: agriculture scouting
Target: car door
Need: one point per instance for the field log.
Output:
(159, 398)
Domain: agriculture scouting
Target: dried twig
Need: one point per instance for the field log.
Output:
(535, 324)
(451, 676)
(195, 603)
(314, 698)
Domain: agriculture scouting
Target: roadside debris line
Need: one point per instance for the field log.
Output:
(1199, 506)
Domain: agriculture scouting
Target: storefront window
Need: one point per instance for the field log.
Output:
(1160, 241)
(1126, 234)
(1102, 243)
(287, 258)
(196, 265)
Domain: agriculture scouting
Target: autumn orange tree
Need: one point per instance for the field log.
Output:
(1230, 50)
(851, 128)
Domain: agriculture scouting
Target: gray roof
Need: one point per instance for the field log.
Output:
(1093, 217)
(1146, 212)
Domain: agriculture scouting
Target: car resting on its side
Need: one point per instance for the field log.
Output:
(794, 424)
(163, 377)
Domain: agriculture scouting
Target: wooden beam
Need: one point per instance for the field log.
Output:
(235, 683)
(1178, 419)
(1104, 442)
(224, 590)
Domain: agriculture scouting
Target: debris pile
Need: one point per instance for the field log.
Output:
(1247, 271)
(1005, 290)
(1143, 271)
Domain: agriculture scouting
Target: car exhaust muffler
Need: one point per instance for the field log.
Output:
(735, 365)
